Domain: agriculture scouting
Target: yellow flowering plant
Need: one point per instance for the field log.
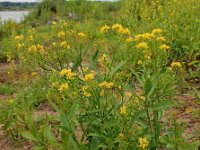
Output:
(109, 87)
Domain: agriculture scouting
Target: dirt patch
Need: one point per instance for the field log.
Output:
(3, 72)
(188, 115)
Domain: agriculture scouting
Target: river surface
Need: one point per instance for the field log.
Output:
(13, 15)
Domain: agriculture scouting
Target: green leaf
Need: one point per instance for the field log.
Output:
(114, 70)
(101, 146)
(29, 136)
(193, 62)
(192, 146)
(139, 114)
(148, 86)
(95, 55)
(163, 105)
(101, 137)
(49, 134)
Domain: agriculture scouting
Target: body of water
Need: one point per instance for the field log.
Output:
(13, 15)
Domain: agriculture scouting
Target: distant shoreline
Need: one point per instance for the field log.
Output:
(1, 10)
(17, 6)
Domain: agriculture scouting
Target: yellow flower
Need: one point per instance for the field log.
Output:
(11, 101)
(147, 54)
(142, 98)
(162, 39)
(176, 65)
(116, 26)
(65, 45)
(139, 62)
(19, 46)
(81, 34)
(34, 74)
(128, 94)
(89, 77)
(68, 73)
(63, 87)
(61, 34)
(31, 38)
(103, 59)
(164, 47)
(32, 48)
(157, 31)
(138, 37)
(123, 110)
(130, 39)
(124, 31)
(104, 28)
(54, 44)
(107, 85)
(144, 36)
(143, 143)
(54, 23)
(39, 47)
(142, 45)
(19, 37)
(85, 92)
(147, 36)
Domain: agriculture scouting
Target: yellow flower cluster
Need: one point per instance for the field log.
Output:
(145, 36)
(31, 38)
(139, 62)
(128, 94)
(116, 26)
(63, 87)
(143, 143)
(34, 74)
(61, 34)
(142, 45)
(157, 31)
(35, 48)
(104, 28)
(89, 76)
(19, 38)
(120, 29)
(130, 39)
(123, 110)
(164, 47)
(103, 59)
(124, 31)
(85, 92)
(68, 73)
(176, 65)
(64, 44)
(32, 48)
(39, 47)
(107, 85)
(19, 45)
(81, 34)
(161, 39)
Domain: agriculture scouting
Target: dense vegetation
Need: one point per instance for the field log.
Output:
(103, 75)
